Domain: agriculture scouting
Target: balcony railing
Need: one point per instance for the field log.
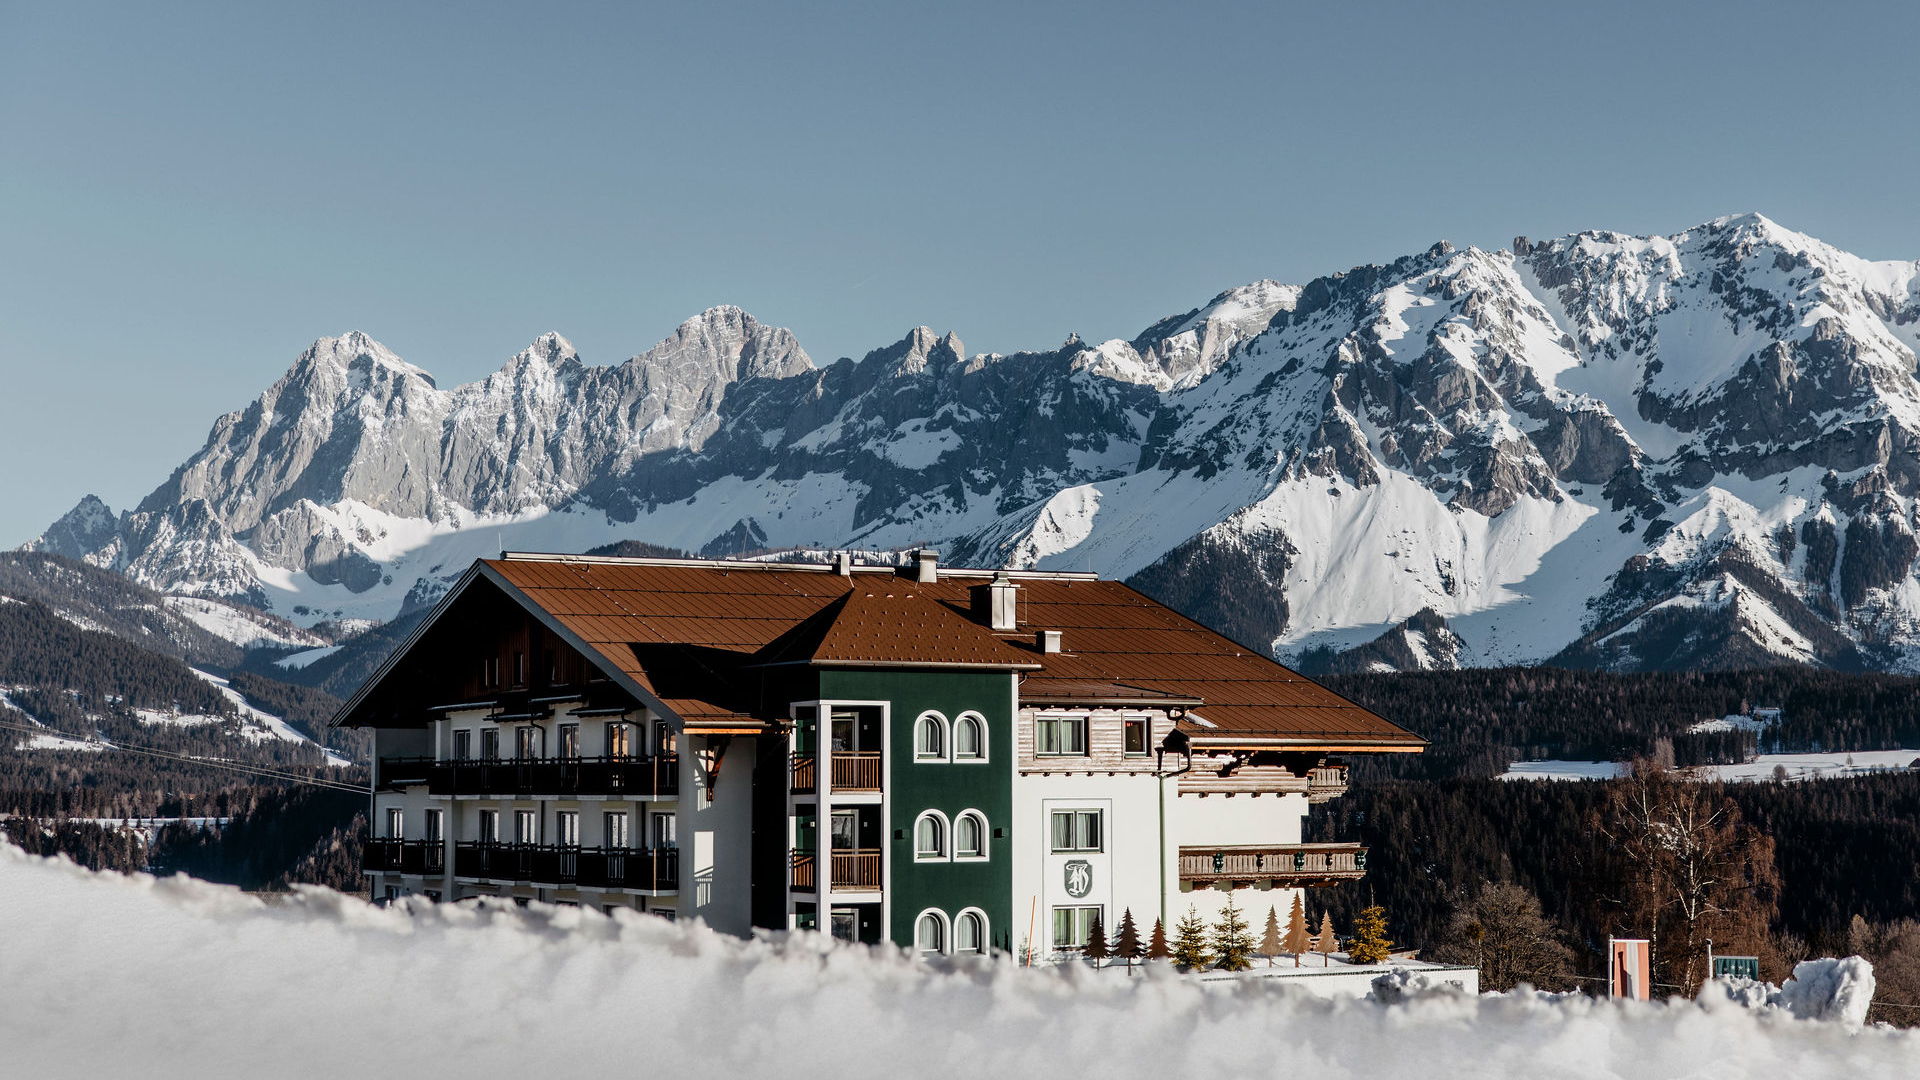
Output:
(620, 777)
(649, 869)
(404, 856)
(854, 870)
(1326, 782)
(1284, 864)
(852, 771)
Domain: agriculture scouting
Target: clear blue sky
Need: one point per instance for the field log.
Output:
(190, 195)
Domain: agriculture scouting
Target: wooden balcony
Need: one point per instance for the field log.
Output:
(854, 870)
(653, 777)
(647, 869)
(852, 771)
(403, 856)
(1326, 782)
(1286, 865)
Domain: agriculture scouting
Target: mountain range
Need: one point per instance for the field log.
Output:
(1697, 450)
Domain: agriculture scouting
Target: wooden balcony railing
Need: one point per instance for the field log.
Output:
(629, 777)
(403, 856)
(649, 869)
(1326, 782)
(852, 771)
(854, 869)
(1283, 864)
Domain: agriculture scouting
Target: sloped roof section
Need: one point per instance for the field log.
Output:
(891, 623)
(692, 633)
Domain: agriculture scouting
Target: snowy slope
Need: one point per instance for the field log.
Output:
(1633, 452)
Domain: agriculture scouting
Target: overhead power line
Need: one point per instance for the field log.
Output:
(180, 757)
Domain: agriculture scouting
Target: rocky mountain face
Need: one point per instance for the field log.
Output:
(1628, 452)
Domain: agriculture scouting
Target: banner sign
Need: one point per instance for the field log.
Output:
(1736, 967)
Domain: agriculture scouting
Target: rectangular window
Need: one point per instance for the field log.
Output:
(662, 738)
(616, 821)
(526, 826)
(1060, 736)
(489, 827)
(1076, 830)
(1137, 738)
(490, 744)
(462, 745)
(435, 822)
(566, 828)
(663, 831)
(395, 819)
(526, 742)
(519, 669)
(490, 672)
(619, 738)
(1072, 926)
(570, 741)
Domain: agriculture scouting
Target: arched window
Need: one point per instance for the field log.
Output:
(970, 836)
(930, 837)
(930, 933)
(970, 933)
(930, 737)
(970, 737)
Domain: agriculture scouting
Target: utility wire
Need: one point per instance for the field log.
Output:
(187, 759)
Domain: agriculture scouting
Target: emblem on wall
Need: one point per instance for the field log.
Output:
(1079, 878)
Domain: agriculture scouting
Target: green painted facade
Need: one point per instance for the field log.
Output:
(914, 786)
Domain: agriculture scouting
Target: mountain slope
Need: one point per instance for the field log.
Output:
(1631, 452)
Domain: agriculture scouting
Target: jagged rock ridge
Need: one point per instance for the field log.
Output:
(1603, 449)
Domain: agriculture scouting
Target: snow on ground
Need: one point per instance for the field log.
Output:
(1562, 770)
(329, 982)
(302, 659)
(1797, 766)
(240, 627)
(255, 724)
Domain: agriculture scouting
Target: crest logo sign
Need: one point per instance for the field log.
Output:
(1079, 878)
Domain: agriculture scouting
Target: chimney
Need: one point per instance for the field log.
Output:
(843, 564)
(997, 603)
(1048, 641)
(929, 560)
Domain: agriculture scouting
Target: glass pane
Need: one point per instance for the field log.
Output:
(1046, 736)
(846, 830)
(1077, 736)
(927, 936)
(929, 841)
(1062, 831)
(1136, 736)
(929, 737)
(616, 830)
(1089, 830)
(966, 738)
(967, 936)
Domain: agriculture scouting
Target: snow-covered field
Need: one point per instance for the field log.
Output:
(325, 986)
(1797, 767)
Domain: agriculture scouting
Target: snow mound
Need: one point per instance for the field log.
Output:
(494, 990)
(1830, 990)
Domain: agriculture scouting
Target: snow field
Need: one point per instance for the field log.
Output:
(324, 984)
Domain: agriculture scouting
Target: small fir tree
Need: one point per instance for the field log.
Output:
(1369, 944)
(1190, 942)
(1097, 950)
(1157, 942)
(1232, 940)
(1297, 939)
(1326, 943)
(1270, 941)
(1127, 946)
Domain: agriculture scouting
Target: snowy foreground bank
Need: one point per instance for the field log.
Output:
(120, 976)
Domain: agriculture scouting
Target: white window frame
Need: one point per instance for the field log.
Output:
(607, 819)
(1085, 721)
(1146, 722)
(944, 947)
(986, 934)
(945, 853)
(462, 747)
(939, 722)
(566, 828)
(1099, 913)
(436, 826)
(986, 836)
(522, 816)
(970, 716)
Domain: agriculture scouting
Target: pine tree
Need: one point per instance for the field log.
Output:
(1232, 941)
(1127, 945)
(1297, 939)
(1369, 944)
(1190, 942)
(1270, 941)
(1096, 949)
(1326, 943)
(1157, 943)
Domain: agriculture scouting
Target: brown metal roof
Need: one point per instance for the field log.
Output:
(681, 629)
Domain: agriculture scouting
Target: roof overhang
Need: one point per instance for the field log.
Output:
(1221, 740)
(915, 665)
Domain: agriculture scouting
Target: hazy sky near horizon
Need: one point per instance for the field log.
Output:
(190, 194)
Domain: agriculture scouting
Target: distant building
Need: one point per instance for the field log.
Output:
(952, 760)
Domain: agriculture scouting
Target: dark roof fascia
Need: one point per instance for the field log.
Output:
(919, 665)
(580, 644)
(386, 666)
